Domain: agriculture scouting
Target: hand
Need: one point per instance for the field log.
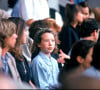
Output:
(62, 56)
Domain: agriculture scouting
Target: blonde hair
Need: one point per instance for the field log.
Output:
(7, 29)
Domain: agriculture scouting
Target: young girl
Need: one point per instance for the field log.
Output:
(44, 68)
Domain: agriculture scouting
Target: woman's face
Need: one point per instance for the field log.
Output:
(79, 17)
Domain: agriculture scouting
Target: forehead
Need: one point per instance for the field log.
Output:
(47, 35)
(85, 9)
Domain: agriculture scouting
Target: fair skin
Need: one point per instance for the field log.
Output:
(78, 19)
(85, 12)
(0, 50)
(62, 56)
(47, 44)
(85, 62)
(10, 42)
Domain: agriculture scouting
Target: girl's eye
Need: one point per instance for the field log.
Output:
(53, 40)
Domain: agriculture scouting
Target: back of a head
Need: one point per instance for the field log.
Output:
(80, 48)
(35, 27)
(87, 27)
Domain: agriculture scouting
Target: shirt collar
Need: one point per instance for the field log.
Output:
(46, 59)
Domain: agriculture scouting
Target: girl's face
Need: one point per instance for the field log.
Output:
(24, 36)
(79, 17)
(47, 43)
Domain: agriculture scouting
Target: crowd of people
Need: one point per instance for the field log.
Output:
(41, 49)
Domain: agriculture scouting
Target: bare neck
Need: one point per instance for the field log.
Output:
(47, 54)
(74, 24)
(4, 51)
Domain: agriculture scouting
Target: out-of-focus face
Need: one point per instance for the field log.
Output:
(11, 41)
(79, 17)
(47, 44)
(85, 12)
(0, 51)
(87, 61)
(24, 36)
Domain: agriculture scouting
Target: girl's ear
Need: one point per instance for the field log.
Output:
(80, 59)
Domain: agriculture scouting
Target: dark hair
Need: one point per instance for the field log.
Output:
(80, 48)
(87, 27)
(37, 40)
(96, 56)
(34, 28)
(83, 4)
(70, 11)
(11, 3)
(20, 23)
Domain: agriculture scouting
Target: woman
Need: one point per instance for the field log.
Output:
(21, 62)
(69, 33)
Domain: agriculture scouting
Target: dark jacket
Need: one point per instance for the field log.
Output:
(67, 36)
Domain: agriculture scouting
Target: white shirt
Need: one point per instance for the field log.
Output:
(34, 9)
(63, 2)
(53, 4)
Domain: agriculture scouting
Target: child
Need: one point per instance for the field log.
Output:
(44, 68)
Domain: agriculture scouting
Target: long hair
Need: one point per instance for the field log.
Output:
(20, 23)
(70, 11)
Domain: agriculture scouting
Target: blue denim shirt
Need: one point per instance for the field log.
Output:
(44, 71)
(92, 72)
(5, 64)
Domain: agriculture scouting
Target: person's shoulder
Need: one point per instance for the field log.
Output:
(36, 59)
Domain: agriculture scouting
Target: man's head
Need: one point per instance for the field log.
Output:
(89, 30)
(85, 9)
